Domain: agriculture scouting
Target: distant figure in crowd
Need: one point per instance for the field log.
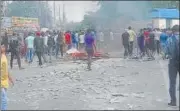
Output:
(30, 47)
(81, 40)
(14, 48)
(125, 42)
(38, 45)
(68, 39)
(132, 36)
(5, 40)
(157, 33)
(141, 42)
(101, 40)
(50, 44)
(61, 42)
(77, 39)
(163, 40)
(5, 78)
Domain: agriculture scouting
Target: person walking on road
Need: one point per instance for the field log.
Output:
(50, 44)
(125, 42)
(14, 48)
(89, 47)
(30, 47)
(173, 53)
(38, 45)
(132, 36)
(5, 78)
(157, 34)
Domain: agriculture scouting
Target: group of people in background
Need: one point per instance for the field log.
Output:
(151, 41)
(44, 44)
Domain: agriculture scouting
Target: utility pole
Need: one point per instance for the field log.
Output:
(54, 14)
(59, 14)
(1, 7)
(1, 13)
(46, 13)
(63, 16)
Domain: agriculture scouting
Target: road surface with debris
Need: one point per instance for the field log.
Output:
(112, 84)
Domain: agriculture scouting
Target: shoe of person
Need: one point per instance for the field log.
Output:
(172, 103)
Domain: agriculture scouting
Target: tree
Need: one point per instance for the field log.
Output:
(32, 9)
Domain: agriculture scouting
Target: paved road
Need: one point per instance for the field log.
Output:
(112, 84)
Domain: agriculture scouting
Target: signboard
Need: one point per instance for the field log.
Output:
(24, 22)
(6, 22)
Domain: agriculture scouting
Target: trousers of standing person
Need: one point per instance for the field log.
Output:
(173, 71)
(13, 55)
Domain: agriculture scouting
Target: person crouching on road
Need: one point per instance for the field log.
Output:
(5, 78)
(38, 45)
(89, 47)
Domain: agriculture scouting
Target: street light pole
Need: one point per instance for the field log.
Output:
(1, 5)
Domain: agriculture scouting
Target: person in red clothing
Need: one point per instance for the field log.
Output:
(68, 39)
(147, 41)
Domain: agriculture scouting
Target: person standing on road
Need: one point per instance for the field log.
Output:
(38, 45)
(157, 34)
(5, 40)
(68, 39)
(151, 44)
(61, 42)
(125, 42)
(132, 36)
(141, 42)
(173, 55)
(89, 47)
(44, 48)
(50, 44)
(163, 40)
(5, 78)
(101, 40)
(30, 47)
(14, 48)
(81, 40)
(77, 39)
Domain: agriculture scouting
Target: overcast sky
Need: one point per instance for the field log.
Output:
(74, 10)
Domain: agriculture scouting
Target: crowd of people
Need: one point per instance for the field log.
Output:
(45, 45)
(50, 43)
(150, 41)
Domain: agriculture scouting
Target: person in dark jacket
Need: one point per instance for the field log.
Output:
(5, 40)
(125, 42)
(50, 44)
(38, 45)
(173, 54)
(14, 48)
(151, 44)
(60, 41)
(141, 43)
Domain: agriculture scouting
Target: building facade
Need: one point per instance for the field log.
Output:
(164, 18)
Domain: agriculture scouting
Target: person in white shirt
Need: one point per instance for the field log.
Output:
(101, 40)
(81, 40)
(157, 34)
(111, 35)
(77, 39)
